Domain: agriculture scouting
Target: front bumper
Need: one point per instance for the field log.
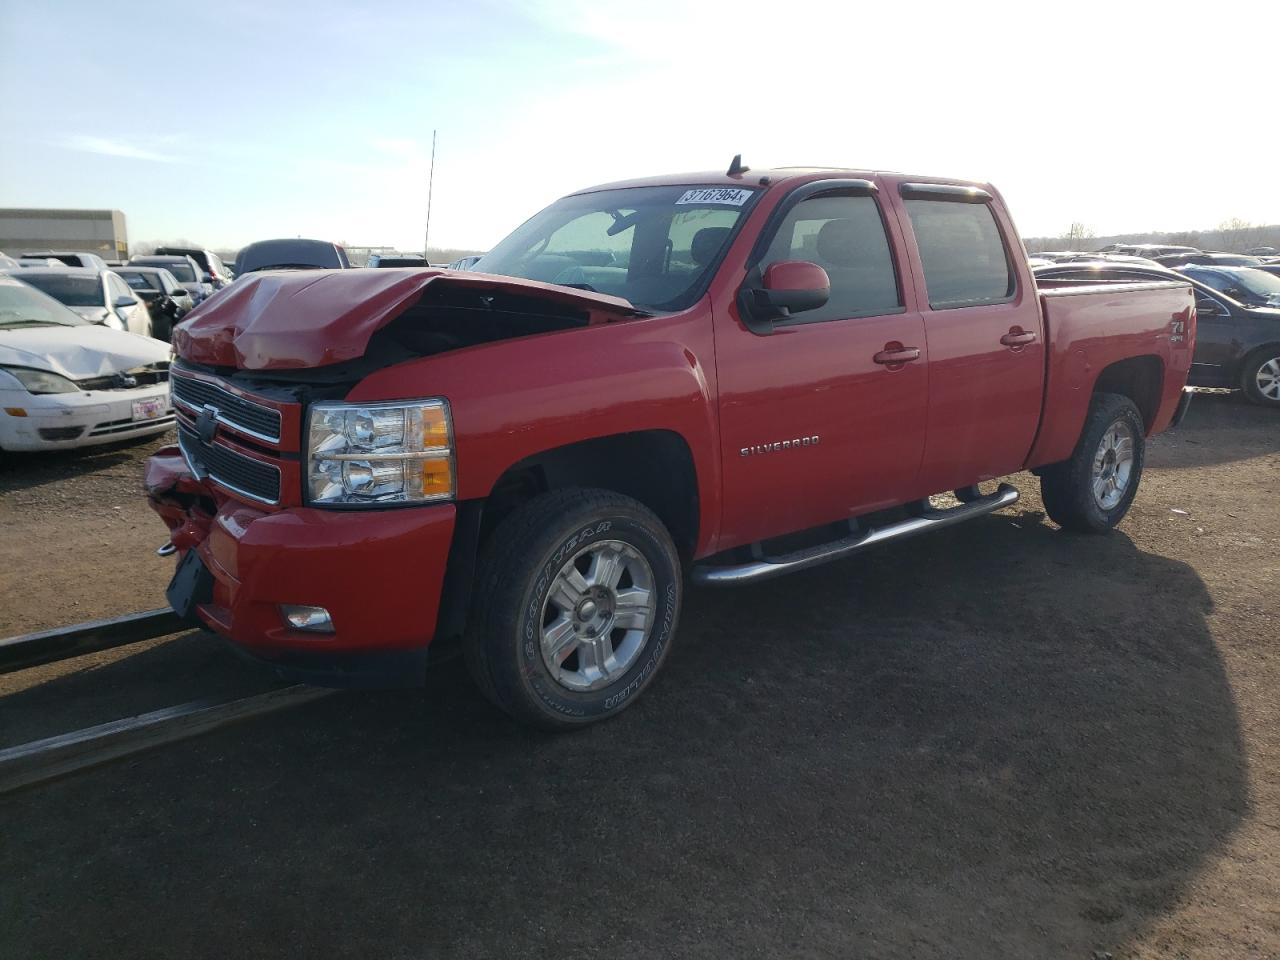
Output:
(379, 573)
(59, 421)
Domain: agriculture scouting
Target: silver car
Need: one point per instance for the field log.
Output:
(99, 296)
(185, 270)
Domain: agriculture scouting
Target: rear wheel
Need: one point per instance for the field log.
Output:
(1093, 490)
(577, 596)
(1260, 377)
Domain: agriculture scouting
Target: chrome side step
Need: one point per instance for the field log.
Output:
(928, 519)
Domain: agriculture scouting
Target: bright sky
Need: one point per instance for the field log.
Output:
(227, 122)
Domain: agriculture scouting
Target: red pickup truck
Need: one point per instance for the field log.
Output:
(711, 377)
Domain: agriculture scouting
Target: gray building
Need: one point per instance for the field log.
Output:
(92, 231)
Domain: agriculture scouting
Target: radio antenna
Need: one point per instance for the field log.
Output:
(431, 179)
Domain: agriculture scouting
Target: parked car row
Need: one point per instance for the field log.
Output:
(67, 380)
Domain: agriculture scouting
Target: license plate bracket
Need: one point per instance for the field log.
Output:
(192, 584)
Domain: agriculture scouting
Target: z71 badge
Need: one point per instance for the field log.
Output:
(778, 445)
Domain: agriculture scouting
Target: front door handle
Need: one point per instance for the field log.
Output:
(1017, 337)
(895, 353)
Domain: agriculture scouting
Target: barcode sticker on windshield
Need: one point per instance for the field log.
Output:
(730, 195)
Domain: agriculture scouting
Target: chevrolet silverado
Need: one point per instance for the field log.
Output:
(709, 378)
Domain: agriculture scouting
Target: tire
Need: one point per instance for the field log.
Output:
(1070, 489)
(527, 603)
(1260, 377)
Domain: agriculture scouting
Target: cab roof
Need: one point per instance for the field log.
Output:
(771, 177)
(718, 178)
(60, 271)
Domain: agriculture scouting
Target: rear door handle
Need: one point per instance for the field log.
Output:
(894, 353)
(1017, 337)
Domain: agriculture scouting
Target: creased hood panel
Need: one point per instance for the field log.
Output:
(79, 352)
(299, 319)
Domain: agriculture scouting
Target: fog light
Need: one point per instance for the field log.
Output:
(311, 619)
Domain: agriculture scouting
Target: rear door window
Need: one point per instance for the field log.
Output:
(964, 258)
(845, 235)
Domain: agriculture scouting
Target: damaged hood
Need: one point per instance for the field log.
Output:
(313, 318)
(78, 352)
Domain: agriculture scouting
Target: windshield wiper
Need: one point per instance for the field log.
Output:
(31, 322)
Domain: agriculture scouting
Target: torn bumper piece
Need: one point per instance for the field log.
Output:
(377, 572)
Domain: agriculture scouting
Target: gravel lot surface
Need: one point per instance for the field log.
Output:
(998, 741)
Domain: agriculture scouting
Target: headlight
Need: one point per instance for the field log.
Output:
(41, 381)
(380, 453)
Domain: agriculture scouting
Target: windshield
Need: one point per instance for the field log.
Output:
(1261, 284)
(653, 246)
(22, 306)
(140, 281)
(73, 291)
(182, 271)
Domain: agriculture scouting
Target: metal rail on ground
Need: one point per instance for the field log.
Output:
(47, 646)
(42, 760)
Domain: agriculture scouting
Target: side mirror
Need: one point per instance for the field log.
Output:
(1208, 308)
(206, 277)
(123, 301)
(788, 287)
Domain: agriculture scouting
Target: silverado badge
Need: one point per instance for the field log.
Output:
(779, 445)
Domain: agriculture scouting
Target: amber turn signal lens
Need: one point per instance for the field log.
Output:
(15, 411)
(435, 428)
(437, 477)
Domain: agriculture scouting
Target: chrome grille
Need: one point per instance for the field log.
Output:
(233, 411)
(240, 474)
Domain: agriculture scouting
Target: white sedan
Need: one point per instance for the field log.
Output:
(66, 382)
(100, 296)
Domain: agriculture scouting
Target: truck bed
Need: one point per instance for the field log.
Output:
(1091, 326)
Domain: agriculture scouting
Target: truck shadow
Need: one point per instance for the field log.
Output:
(999, 741)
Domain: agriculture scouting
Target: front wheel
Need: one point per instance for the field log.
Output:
(1260, 377)
(576, 600)
(1093, 490)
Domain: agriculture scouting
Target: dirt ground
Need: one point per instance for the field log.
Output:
(998, 741)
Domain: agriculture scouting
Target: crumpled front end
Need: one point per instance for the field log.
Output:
(251, 553)
(182, 502)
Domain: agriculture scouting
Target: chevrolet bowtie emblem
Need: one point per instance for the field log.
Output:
(207, 423)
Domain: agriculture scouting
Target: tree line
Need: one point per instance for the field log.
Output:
(1233, 236)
